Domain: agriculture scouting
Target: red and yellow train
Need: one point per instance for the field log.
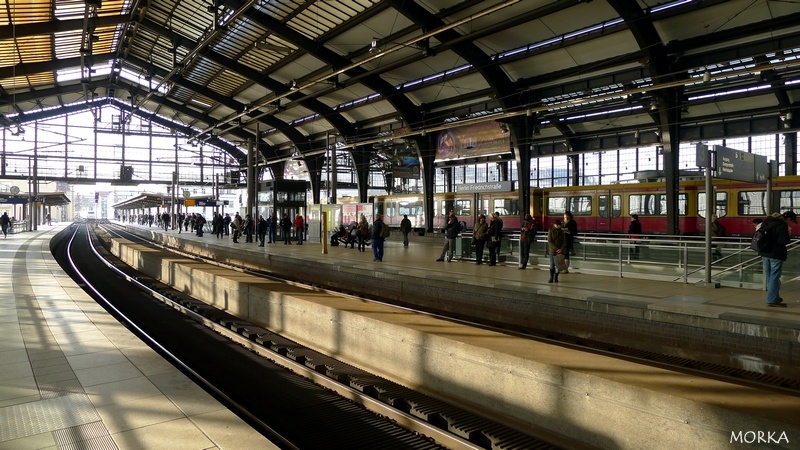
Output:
(607, 208)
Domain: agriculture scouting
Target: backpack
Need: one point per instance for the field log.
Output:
(385, 231)
(761, 241)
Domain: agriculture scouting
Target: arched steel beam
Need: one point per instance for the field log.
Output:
(493, 75)
(335, 119)
(402, 104)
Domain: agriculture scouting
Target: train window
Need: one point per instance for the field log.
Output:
(789, 200)
(463, 208)
(615, 206)
(654, 204)
(751, 203)
(506, 206)
(580, 205)
(556, 206)
(636, 204)
(644, 204)
(602, 206)
(721, 206)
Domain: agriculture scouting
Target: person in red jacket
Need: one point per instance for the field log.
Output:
(299, 228)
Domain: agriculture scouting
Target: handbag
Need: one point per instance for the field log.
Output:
(561, 262)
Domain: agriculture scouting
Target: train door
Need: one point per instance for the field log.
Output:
(482, 206)
(609, 212)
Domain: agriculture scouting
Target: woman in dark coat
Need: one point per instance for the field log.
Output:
(570, 229)
(556, 245)
(495, 228)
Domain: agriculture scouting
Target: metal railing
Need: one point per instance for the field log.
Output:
(668, 258)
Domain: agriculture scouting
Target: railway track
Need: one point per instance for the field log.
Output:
(356, 409)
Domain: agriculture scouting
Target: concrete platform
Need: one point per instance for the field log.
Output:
(728, 326)
(72, 377)
(607, 402)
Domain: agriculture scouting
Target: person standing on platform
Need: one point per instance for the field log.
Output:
(405, 228)
(48, 220)
(286, 229)
(4, 223)
(362, 233)
(227, 221)
(556, 245)
(526, 237)
(298, 228)
(273, 228)
(236, 226)
(165, 220)
(495, 230)
(450, 234)
(479, 236)
(262, 230)
(219, 225)
(248, 228)
(634, 231)
(200, 223)
(570, 228)
(377, 238)
(717, 230)
(777, 227)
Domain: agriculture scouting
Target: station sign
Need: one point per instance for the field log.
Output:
(496, 186)
(199, 202)
(731, 164)
(12, 199)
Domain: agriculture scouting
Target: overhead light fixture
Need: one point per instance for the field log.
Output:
(294, 85)
(503, 128)
(424, 133)
(373, 48)
(706, 76)
(528, 113)
(789, 116)
(653, 105)
(636, 134)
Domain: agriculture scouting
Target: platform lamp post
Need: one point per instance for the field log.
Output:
(30, 195)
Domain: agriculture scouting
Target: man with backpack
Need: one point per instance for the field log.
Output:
(773, 253)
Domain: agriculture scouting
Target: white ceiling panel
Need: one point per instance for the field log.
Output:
(371, 110)
(442, 62)
(604, 47)
(750, 103)
(712, 19)
(360, 37)
(449, 89)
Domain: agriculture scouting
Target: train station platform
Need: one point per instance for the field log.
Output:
(71, 376)
(727, 326)
(593, 398)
